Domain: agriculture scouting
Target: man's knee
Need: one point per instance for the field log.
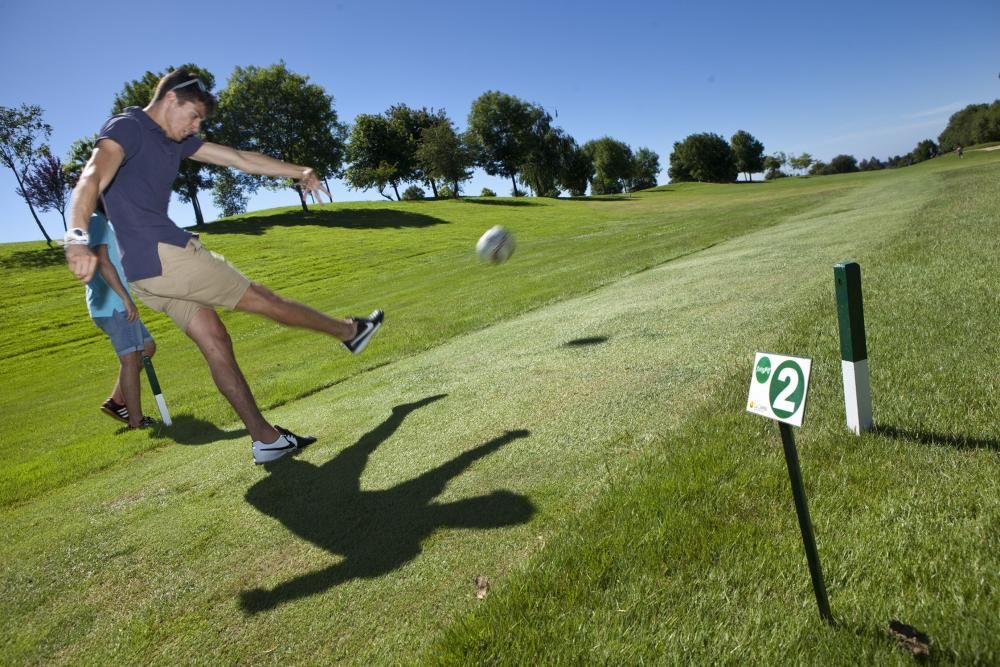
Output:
(259, 299)
(149, 348)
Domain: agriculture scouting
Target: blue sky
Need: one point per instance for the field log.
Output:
(864, 78)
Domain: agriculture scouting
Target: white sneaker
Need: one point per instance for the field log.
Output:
(264, 452)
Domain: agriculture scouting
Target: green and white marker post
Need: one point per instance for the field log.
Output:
(154, 384)
(778, 391)
(853, 349)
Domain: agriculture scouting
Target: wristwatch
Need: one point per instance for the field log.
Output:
(76, 236)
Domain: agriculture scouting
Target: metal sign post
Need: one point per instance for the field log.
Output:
(778, 390)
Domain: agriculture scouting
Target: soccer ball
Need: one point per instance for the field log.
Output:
(496, 245)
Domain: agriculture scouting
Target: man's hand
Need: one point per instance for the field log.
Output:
(131, 312)
(311, 184)
(81, 261)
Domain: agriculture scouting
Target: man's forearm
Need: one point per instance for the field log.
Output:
(262, 165)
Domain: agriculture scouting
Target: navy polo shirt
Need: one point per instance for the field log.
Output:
(138, 197)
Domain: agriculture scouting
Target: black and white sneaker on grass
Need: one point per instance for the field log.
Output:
(115, 410)
(367, 326)
(287, 443)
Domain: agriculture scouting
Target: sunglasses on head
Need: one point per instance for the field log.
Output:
(201, 86)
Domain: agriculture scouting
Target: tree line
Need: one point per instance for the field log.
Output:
(280, 113)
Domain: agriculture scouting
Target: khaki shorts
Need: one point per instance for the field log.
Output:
(192, 278)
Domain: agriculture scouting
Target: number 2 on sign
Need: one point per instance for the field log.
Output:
(781, 402)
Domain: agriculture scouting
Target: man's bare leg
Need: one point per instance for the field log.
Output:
(262, 301)
(210, 335)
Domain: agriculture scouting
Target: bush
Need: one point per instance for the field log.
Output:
(487, 193)
(772, 174)
(517, 193)
(413, 192)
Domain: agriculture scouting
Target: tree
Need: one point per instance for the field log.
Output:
(704, 157)
(843, 164)
(413, 123)
(772, 166)
(545, 154)
(577, 169)
(872, 164)
(612, 160)
(193, 176)
(645, 167)
(748, 153)
(975, 124)
(801, 163)
(500, 126)
(20, 130)
(443, 155)
(375, 151)
(274, 111)
(925, 150)
(46, 186)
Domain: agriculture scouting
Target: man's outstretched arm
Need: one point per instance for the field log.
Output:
(261, 165)
(97, 174)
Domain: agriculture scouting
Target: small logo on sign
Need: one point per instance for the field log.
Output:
(763, 370)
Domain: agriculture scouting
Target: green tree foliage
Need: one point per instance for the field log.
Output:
(413, 123)
(577, 169)
(975, 124)
(193, 176)
(801, 163)
(645, 168)
(77, 157)
(840, 164)
(612, 160)
(748, 153)
(772, 165)
(414, 193)
(230, 191)
(23, 134)
(871, 164)
(376, 150)
(500, 129)
(46, 186)
(443, 155)
(279, 113)
(925, 150)
(704, 157)
(547, 151)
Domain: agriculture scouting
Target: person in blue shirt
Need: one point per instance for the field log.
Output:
(114, 312)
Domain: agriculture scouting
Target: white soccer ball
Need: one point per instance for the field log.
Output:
(496, 245)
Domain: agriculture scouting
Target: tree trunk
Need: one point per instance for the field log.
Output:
(515, 185)
(20, 186)
(302, 198)
(434, 188)
(199, 219)
(396, 190)
(457, 196)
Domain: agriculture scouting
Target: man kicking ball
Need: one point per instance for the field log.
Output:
(134, 164)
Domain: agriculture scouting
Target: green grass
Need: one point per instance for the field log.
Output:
(633, 513)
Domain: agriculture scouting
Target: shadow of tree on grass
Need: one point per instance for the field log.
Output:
(343, 218)
(33, 259)
(377, 532)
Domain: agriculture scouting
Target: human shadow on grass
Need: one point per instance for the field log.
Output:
(928, 438)
(341, 218)
(377, 531)
(188, 430)
(42, 258)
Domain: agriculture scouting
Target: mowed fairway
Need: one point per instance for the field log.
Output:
(569, 425)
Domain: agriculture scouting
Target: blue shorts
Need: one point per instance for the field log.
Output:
(125, 336)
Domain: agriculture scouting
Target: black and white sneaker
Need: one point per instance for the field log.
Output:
(115, 410)
(287, 443)
(367, 326)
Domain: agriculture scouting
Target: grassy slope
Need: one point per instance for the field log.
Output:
(161, 558)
